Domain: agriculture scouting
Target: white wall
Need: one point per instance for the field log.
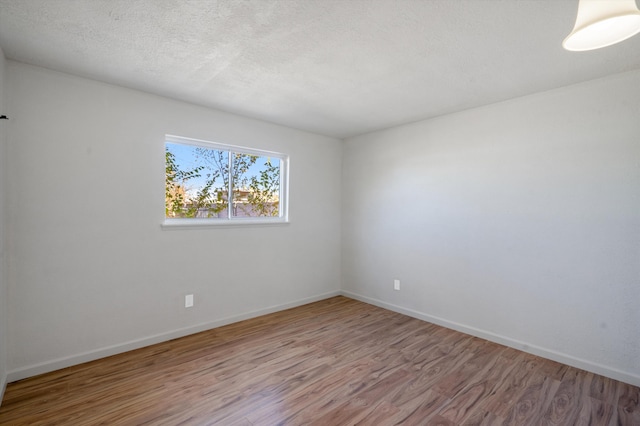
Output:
(518, 222)
(3, 281)
(91, 272)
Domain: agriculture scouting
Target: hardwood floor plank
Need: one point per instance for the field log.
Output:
(596, 413)
(628, 404)
(419, 410)
(472, 397)
(512, 385)
(483, 418)
(333, 362)
(533, 402)
(363, 401)
(568, 399)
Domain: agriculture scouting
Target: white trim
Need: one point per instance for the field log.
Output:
(284, 188)
(57, 364)
(224, 146)
(230, 185)
(214, 223)
(69, 361)
(563, 358)
(3, 387)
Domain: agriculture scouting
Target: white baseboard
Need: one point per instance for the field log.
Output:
(582, 364)
(69, 361)
(57, 364)
(3, 387)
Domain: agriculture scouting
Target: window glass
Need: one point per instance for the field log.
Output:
(199, 177)
(256, 186)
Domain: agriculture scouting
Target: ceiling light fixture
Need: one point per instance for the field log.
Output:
(601, 23)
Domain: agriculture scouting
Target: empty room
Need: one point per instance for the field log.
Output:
(327, 212)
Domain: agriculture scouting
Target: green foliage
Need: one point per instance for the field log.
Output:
(264, 190)
(178, 203)
(174, 192)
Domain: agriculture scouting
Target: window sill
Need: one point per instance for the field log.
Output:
(220, 223)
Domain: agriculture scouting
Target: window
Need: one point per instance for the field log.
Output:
(199, 176)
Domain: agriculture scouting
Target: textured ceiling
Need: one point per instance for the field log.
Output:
(338, 68)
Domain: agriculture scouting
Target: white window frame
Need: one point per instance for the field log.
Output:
(230, 220)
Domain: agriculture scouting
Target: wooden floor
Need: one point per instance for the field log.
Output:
(334, 362)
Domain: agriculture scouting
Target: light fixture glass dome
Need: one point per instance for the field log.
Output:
(601, 23)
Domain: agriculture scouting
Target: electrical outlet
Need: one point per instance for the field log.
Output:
(188, 301)
(396, 285)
